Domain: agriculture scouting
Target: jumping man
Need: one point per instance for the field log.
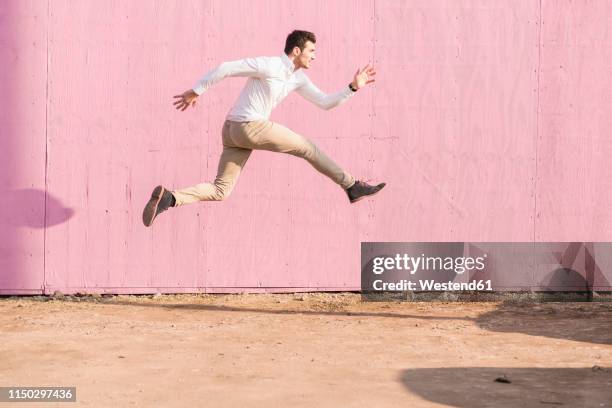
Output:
(248, 128)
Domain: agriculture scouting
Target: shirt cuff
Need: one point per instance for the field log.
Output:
(199, 89)
(348, 93)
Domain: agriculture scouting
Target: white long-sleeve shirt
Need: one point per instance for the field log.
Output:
(270, 81)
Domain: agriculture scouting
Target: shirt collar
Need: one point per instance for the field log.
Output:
(288, 63)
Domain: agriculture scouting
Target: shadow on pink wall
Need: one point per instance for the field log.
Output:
(20, 215)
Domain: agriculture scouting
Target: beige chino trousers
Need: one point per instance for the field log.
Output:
(239, 140)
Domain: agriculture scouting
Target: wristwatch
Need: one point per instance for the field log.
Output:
(351, 87)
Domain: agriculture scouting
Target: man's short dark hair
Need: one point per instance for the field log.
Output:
(298, 38)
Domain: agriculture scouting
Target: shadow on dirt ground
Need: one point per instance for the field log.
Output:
(476, 387)
(586, 322)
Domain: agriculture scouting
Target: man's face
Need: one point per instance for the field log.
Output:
(306, 56)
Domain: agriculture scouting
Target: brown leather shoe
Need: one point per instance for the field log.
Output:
(161, 199)
(361, 190)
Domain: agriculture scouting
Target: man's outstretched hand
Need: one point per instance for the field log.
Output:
(185, 99)
(363, 77)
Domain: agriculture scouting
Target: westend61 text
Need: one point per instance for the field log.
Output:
(431, 285)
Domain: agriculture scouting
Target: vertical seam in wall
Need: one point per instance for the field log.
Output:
(44, 288)
(535, 181)
(372, 101)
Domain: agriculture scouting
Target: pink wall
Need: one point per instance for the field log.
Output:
(23, 107)
(490, 121)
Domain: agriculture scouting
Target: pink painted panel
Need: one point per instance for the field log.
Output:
(574, 173)
(23, 64)
(468, 123)
(280, 227)
(455, 118)
(296, 228)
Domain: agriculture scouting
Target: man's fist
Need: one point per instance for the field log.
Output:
(185, 99)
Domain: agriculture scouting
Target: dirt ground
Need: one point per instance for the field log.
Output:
(305, 350)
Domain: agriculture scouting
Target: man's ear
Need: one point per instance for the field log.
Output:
(296, 53)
